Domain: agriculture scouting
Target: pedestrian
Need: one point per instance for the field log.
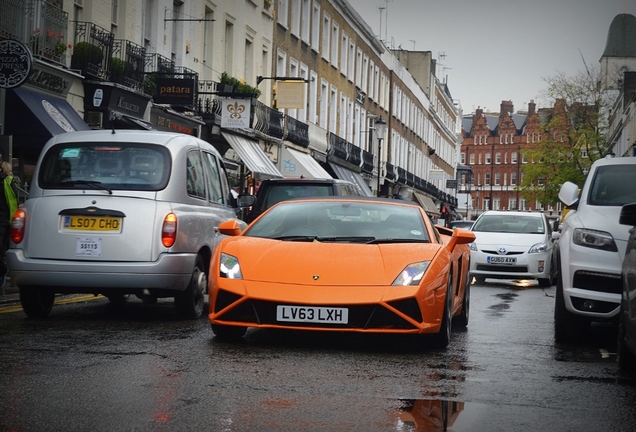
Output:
(8, 206)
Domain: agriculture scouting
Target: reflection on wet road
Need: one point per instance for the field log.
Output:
(143, 368)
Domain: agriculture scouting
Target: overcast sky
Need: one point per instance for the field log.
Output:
(497, 50)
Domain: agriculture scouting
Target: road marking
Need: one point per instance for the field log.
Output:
(61, 301)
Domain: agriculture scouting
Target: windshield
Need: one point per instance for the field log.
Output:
(510, 224)
(613, 185)
(116, 166)
(345, 221)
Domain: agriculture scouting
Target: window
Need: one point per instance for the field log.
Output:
(229, 46)
(497, 179)
(295, 17)
(487, 179)
(462, 158)
(333, 109)
(313, 97)
(215, 190)
(305, 21)
(326, 37)
(315, 28)
(249, 61)
(344, 49)
(487, 158)
(513, 157)
(358, 68)
(512, 204)
(498, 158)
(513, 179)
(351, 57)
(283, 12)
(335, 29)
(324, 103)
(195, 178)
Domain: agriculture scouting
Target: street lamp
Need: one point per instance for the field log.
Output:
(380, 130)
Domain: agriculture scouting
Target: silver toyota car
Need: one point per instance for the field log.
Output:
(119, 213)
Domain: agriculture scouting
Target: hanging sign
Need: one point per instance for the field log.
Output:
(15, 63)
(235, 113)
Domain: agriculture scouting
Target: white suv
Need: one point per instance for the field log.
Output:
(119, 213)
(591, 247)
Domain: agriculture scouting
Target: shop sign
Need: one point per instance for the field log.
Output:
(235, 113)
(172, 91)
(15, 63)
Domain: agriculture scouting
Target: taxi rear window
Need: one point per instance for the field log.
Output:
(117, 166)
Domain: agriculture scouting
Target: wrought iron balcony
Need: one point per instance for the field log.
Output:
(40, 25)
(93, 50)
(127, 64)
(297, 131)
(268, 120)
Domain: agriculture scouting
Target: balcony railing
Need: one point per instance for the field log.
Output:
(127, 64)
(207, 103)
(297, 132)
(40, 25)
(268, 120)
(93, 50)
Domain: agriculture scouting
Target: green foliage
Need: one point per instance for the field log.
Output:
(84, 53)
(239, 86)
(574, 136)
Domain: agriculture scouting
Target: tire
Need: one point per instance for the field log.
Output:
(36, 302)
(461, 320)
(567, 326)
(191, 302)
(545, 283)
(626, 359)
(118, 299)
(228, 333)
(480, 279)
(442, 338)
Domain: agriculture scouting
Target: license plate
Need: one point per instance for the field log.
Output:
(502, 260)
(91, 223)
(88, 246)
(312, 314)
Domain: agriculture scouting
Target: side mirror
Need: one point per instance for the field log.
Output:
(244, 201)
(230, 227)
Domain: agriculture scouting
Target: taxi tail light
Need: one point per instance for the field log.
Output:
(169, 230)
(17, 226)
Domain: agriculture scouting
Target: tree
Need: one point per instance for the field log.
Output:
(573, 135)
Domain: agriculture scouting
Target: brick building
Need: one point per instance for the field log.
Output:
(492, 152)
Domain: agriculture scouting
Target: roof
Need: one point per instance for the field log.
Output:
(621, 37)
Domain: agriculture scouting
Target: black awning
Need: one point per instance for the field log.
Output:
(124, 121)
(32, 117)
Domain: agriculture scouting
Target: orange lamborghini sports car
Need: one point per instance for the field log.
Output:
(352, 264)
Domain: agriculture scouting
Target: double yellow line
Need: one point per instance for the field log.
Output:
(61, 301)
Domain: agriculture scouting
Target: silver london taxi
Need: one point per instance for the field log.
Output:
(119, 213)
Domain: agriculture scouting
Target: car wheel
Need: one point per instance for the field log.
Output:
(191, 302)
(118, 299)
(567, 326)
(626, 359)
(462, 319)
(545, 283)
(442, 339)
(36, 302)
(229, 333)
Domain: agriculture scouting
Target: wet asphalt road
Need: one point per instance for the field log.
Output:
(90, 366)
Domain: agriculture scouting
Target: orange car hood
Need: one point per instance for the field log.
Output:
(292, 262)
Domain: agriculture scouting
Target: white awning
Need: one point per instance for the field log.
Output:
(295, 164)
(355, 178)
(253, 157)
(427, 204)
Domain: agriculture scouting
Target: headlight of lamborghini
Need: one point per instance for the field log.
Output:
(594, 239)
(230, 267)
(538, 248)
(412, 274)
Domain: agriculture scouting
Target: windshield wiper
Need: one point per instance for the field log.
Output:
(296, 238)
(397, 240)
(346, 239)
(94, 184)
